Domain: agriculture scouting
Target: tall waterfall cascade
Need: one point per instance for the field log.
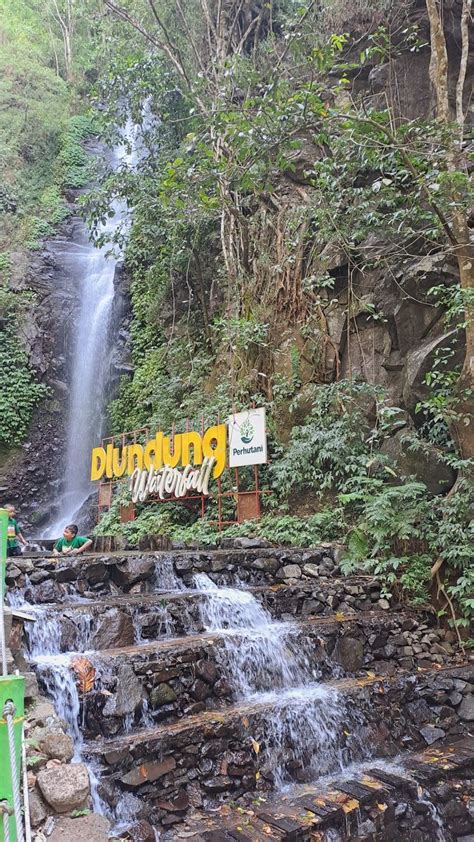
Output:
(93, 269)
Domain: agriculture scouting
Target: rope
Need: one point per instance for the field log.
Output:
(6, 811)
(26, 797)
(8, 714)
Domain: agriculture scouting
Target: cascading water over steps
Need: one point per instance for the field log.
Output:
(296, 681)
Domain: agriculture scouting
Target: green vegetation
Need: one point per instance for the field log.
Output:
(19, 393)
(272, 194)
(283, 211)
(41, 155)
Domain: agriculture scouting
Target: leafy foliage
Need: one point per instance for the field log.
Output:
(19, 393)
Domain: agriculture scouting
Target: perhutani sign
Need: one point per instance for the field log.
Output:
(174, 466)
(247, 438)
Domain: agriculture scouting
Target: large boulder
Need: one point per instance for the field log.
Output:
(115, 628)
(420, 361)
(53, 742)
(133, 570)
(93, 828)
(65, 788)
(424, 464)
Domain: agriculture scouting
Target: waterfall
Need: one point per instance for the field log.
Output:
(92, 269)
(306, 726)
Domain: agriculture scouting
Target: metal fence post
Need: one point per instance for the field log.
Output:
(12, 690)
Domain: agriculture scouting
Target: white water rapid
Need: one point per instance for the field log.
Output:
(93, 271)
(305, 724)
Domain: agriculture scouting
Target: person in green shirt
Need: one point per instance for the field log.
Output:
(71, 543)
(14, 536)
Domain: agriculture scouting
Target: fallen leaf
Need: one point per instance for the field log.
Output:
(255, 745)
(381, 807)
(350, 805)
(257, 776)
(85, 673)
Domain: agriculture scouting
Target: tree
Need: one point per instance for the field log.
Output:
(457, 226)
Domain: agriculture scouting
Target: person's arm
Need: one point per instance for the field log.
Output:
(57, 548)
(22, 539)
(87, 544)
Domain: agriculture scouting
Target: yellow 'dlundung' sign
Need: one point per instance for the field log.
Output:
(164, 465)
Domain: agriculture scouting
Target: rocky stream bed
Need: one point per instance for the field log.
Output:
(242, 694)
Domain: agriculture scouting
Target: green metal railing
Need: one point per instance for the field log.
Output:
(12, 714)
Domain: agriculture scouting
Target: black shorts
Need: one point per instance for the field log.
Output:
(12, 552)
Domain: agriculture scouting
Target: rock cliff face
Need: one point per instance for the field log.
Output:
(31, 475)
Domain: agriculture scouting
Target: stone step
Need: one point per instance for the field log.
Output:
(214, 755)
(368, 802)
(53, 579)
(107, 621)
(169, 679)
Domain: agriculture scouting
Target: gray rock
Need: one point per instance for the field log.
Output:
(349, 653)
(133, 570)
(425, 464)
(250, 543)
(269, 564)
(64, 788)
(42, 713)
(93, 828)
(55, 743)
(162, 694)
(290, 571)
(38, 810)
(128, 695)
(115, 629)
(207, 671)
(431, 734)
(311, 570)
(466, 708)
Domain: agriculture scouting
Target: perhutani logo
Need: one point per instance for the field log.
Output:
(246, 432)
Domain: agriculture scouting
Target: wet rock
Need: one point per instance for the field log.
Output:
(200, 690)
(39, 576)
(38, 810)
(128, 695)
(11, 575)
(466, 708)
(162, 694)
(64, 788)
(48, 591)
(350, 654)
(141, 832)
(217, 784)
(207, 671)
(55, 743)
(96, 572)
(93, 828)
(177, 805)
(133, 570)
(148, 772)
(183, 564)
(431, 734)
(31, 686)
(366, 829)
(222, 688)
(114, 629)
(289, 571)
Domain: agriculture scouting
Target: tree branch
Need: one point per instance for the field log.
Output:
(465, 18)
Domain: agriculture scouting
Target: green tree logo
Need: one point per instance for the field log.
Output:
(246, 432)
